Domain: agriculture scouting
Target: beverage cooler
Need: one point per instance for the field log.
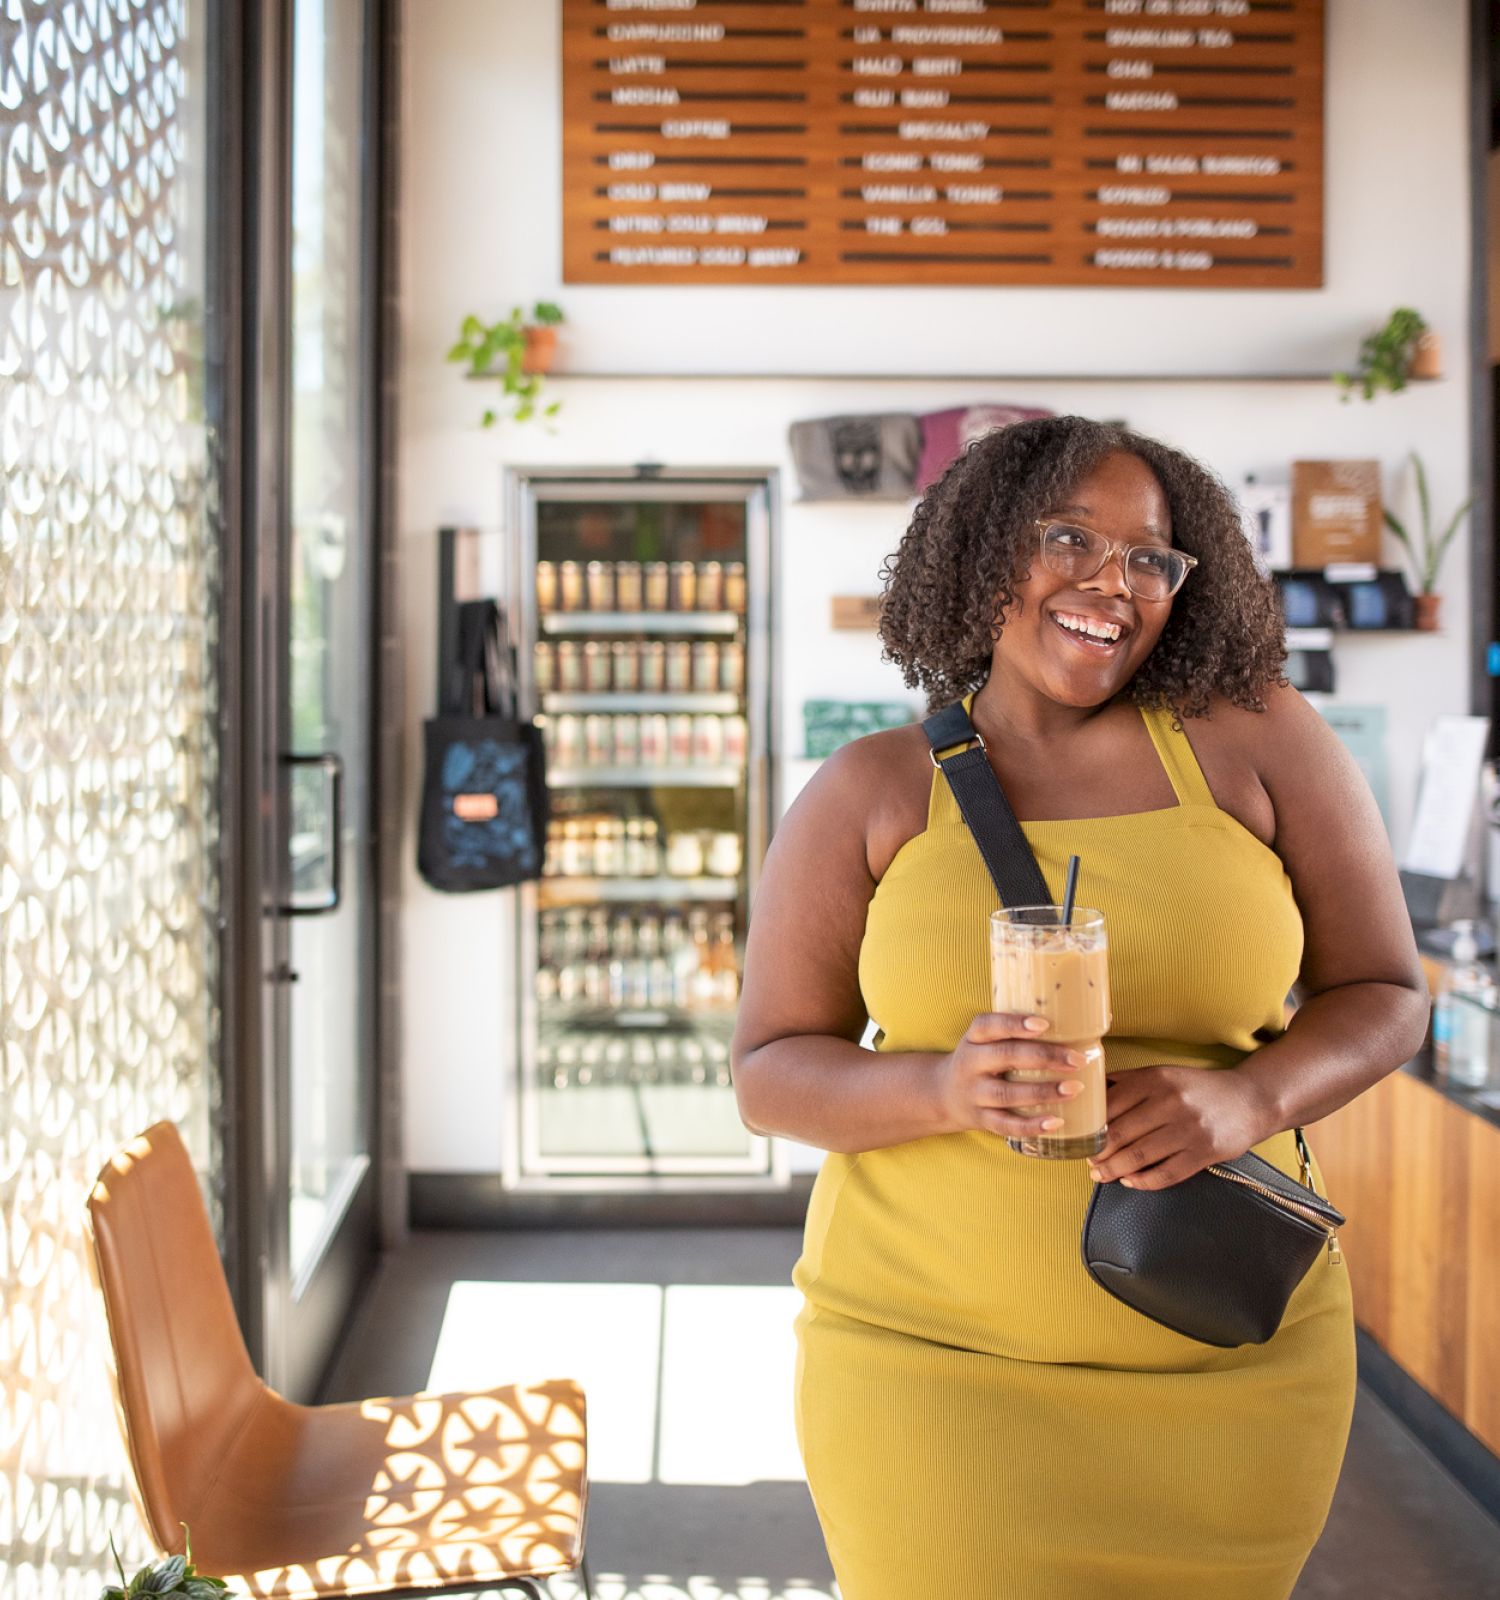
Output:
(641, 608)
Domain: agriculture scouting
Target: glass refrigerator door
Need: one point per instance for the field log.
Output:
(644, 606)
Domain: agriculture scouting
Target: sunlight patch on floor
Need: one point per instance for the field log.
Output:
(691, 1384)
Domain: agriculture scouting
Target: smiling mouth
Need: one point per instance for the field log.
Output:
(1108, 639)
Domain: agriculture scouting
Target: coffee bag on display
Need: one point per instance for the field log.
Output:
(1336, 514)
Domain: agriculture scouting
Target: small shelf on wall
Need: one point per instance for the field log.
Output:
(937, 377)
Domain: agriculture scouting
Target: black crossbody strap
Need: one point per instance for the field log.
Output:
(1012, 865)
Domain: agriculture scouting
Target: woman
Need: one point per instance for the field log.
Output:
(977, 1417)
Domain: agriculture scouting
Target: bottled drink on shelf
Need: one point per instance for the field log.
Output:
(708, 741)
(656, 581)
(570, 589)
(625, 660)
(546, 586)
(682, 594)
(736, 741)
(710, 586)
(653, 666)
(598, 740)
(679, 740)
(679, 666)
(651, 744)
(732, 667)
(569, 673)
(600, 585)
(543, 665)
(705, 671)
(629, 586)
(608, 849)
(734, 587)
(596, 666)
(627, 737)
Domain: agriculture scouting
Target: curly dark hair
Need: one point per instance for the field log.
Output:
(972, 536)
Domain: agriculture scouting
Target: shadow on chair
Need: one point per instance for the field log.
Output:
(290, 1501)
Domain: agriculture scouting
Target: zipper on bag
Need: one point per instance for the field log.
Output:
(1305, 1212)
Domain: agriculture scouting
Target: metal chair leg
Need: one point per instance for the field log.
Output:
(583, 1573)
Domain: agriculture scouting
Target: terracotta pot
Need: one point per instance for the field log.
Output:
(1427, 357)
(541, 348)
(1427, 611)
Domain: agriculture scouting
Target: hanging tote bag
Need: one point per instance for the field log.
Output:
(484, 788)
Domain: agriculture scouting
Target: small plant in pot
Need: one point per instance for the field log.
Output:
(176, 1575)
(1404, 348)
(517, 352)
(1426, 552)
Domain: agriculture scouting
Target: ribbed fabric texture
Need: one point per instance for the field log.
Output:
(977, 1417)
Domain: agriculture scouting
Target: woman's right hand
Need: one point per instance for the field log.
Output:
(974, 1088)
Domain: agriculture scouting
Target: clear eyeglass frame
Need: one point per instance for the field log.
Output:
(1113, 547)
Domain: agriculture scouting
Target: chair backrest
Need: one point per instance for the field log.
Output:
(182, 1376)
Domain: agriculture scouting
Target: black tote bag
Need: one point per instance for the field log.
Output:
(484, 788)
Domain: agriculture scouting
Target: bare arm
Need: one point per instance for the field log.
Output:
(797, 1062)
(1365, 1005)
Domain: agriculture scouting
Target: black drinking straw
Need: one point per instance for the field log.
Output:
(1070, 891)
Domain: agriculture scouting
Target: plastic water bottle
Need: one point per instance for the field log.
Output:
(1461, 1027)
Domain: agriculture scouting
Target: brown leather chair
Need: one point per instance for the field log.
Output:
(424, 1492)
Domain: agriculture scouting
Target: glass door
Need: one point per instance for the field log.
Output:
(325, 1081)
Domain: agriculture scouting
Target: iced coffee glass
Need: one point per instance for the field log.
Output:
(1041, 966)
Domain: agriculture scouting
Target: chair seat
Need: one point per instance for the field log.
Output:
(425, 1491)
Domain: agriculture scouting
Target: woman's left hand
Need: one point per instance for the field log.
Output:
(1166, 1123)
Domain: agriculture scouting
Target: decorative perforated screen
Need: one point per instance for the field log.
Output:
(108, 615)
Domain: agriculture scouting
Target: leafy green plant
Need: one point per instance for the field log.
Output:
(498, 349)
(176, 1575)
(1427, 556)
(1385, 356)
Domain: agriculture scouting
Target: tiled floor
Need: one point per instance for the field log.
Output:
(695, 1494)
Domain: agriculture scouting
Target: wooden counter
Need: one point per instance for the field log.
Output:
(1417, 1172)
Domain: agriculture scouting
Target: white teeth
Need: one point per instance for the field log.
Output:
(1095, 630)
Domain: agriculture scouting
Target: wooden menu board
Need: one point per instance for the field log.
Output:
(944, 141)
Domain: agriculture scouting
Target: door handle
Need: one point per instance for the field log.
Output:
(333, 767)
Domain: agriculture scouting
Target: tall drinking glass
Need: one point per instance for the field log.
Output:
(1045, 967)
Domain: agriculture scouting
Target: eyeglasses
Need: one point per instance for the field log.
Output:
(1152, 571)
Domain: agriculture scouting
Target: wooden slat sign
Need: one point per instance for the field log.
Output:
(944, 141)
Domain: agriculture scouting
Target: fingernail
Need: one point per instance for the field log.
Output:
(1129, 1183)
(1094, 1174)
(1070, 1087)
(1036, 1024)
(1052, 1122)
(1075, 1060)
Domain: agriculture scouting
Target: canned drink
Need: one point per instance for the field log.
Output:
(569, 666)
(736, 741)
(682, 590)
(570, 586)
(705, 665)
(679, 665)
(543, 666)
(710, 586)
(627, 739)
(596, 661)
(708, 741)
(734, 586)
(625, 662)
(656, 585)
(732, 666)
(567, 740)
(653, 666)
(679, 740)
(598, 740)
(651, 743)
(546, 586)
(629, 588)
(600, 585)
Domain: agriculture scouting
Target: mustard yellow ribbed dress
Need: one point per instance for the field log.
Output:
(978, 1419)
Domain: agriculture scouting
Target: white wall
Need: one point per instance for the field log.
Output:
(481, 232)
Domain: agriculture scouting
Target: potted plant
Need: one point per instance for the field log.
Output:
(1404, 348)
(516, 351)
(1427, 556)
(174, 1576)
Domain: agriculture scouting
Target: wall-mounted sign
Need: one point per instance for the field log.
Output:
(974, 141)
